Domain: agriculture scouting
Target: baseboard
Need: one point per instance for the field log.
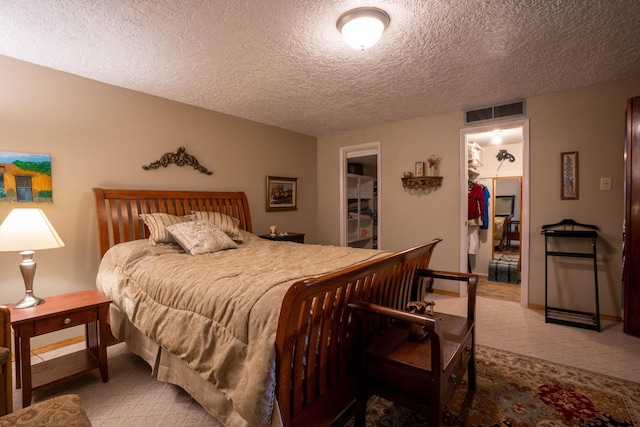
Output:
(449, 293)
(111, 340)
(58, 344)
(602, 316)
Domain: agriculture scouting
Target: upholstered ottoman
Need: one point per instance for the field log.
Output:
(60, 411)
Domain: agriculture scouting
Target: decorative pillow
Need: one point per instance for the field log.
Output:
(200, 237)
(157, 224)
(228, 224)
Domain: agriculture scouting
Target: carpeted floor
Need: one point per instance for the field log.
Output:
(131, 397)
(513, 390)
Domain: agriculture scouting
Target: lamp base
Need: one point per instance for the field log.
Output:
(29, 300)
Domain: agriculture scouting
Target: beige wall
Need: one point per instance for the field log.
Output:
(406, 218)
(592, 122)
(588, 120)
(101, 135)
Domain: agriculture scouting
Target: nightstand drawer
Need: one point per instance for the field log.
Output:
(66, 320)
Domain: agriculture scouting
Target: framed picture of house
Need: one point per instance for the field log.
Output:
(25, 178)
(282, 193)
(569, 176)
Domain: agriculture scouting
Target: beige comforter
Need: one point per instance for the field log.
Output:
(218, 312)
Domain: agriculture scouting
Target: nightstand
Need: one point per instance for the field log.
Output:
(89, 308)
(289, 237)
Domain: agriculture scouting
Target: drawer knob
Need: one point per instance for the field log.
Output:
(67, 321)
(453, 378)
(467, 350)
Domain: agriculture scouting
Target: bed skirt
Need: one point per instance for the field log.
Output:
(168, 368)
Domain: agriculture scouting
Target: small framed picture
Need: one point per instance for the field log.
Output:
(419, 168)
(25, 177)
(282, 193)
(569, 175)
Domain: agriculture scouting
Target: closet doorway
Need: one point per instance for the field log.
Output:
(498, 163)
(360, 201)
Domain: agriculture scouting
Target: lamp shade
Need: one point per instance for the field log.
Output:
(28, 230)
(361, 28)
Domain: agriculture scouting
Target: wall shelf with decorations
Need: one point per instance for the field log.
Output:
(421, 182)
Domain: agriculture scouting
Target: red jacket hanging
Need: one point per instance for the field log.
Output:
(476, 201)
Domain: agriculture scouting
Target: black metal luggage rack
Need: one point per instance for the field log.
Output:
(566, 229)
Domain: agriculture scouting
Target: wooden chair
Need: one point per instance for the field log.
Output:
(513, 232)
(419, 375)
(6, 388)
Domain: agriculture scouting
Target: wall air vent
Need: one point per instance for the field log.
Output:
(511, 109)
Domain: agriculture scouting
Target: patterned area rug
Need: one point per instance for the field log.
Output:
(520, 391)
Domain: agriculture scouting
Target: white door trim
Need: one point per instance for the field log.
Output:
(348, 152)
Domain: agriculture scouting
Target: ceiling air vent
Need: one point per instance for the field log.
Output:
(495, 112)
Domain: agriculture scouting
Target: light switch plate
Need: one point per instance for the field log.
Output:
(605, 183)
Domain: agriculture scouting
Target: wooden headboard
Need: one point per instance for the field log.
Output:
(118, 210)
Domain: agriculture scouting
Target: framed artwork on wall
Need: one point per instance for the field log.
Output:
(569, 176)
(25, 178)
(282, 193)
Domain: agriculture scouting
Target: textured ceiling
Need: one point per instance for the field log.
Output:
(283, 63)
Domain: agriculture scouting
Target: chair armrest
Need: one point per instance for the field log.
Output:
(5, 355)
(368, 308)
(434, 326)
(470, 278)
(5, 327)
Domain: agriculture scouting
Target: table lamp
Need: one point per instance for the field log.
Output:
(25, 231)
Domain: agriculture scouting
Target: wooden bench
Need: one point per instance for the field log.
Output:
(419, 375)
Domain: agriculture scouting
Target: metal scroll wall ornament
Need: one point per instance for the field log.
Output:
(422, 182)
(180, 158)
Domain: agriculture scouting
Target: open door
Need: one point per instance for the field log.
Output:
(360, 219)
(631, 252)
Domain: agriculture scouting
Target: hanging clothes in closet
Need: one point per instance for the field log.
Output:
(476, 210)
(485, 211)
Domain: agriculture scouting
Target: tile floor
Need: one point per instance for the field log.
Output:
(508, 326)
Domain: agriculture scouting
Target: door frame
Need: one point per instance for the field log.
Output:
(350, 152)
(525, 213)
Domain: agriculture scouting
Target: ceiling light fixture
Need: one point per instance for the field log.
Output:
(361, 28)
(497, 137)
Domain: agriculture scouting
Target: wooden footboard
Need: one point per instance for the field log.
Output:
(315, 343)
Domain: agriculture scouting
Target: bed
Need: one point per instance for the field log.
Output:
(264, 337)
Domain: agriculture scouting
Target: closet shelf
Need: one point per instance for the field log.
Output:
(421, 182)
